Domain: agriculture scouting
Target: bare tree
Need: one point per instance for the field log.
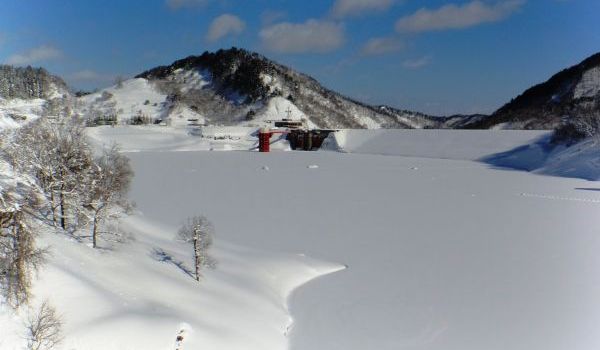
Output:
(58, 156)
(75, 161)
(199, 231)
(110, 181)
(44, 328)
(19, 256)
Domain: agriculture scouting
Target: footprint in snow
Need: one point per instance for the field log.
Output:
(184, 330)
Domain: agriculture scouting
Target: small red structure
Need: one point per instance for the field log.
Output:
(264, 140)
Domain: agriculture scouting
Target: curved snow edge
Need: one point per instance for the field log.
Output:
(323, 269)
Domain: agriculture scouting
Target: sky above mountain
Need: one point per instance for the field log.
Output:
(438, 57)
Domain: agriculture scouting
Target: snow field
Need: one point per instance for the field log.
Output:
(440, 253)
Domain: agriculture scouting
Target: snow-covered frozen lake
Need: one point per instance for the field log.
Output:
(441, 254)
(426, 247)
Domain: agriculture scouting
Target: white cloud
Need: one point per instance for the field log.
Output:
(90, 75)
(346, 8)
(225, 25)
(35, 55)
(270, 16)
(417, 63)
(178, 4)
(312, 36)
(381, 46)
(458, 16)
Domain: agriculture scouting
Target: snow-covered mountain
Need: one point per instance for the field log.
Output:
(569, 94)
(238, 87)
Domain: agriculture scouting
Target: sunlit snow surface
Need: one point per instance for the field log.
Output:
(441, 254)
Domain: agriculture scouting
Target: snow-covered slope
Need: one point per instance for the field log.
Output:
(140, 295)
(134, 97)
(581, 160)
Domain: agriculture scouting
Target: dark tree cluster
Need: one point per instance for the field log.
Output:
(233, 70)
(27, 82)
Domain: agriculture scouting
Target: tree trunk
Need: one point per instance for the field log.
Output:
(21, 287)
(95, 231)
(12, 273)
(53, 207)
(63, 221)
(197, 258)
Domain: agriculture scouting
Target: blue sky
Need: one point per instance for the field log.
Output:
(439, 57)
